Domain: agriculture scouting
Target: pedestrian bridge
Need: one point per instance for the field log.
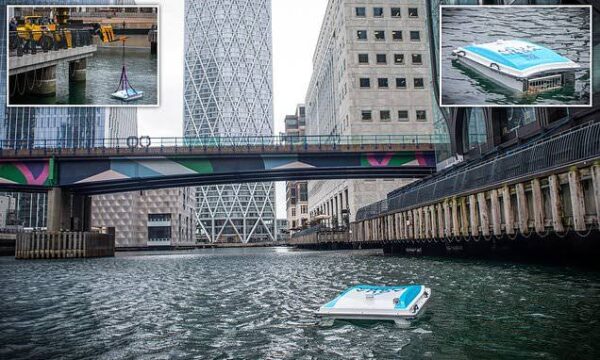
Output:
(117, 165)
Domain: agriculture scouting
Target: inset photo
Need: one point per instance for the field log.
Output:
(515, 56)
(82, 56)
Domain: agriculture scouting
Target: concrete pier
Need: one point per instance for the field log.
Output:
(63, 245)
(78, 70)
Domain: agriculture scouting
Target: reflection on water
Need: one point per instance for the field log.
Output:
(103, 74)
(566, 31)
(260, 304)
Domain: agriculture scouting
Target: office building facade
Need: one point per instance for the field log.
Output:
(370, 77)
(228, 93)
(296, 191)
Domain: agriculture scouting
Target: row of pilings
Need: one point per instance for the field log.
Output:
(63, 245)
(557, 214)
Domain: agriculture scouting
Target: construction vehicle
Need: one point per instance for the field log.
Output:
(39, 31)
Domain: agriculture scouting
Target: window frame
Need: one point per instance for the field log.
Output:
(364, 9)
(382, 32)
(413, 16)
(394, 32)
(384, 62)
(389, 115)
(417, 115)
(361, 62)
(366, 112)
(360, 83)
(415, 83)
(380, 81)
(397, 82)
(378, 8)
(403, 59)
(399, 16)
(420, 59)
(415, 32)
(403, 119)
(365, 38)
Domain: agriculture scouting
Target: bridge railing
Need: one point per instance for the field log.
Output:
(24, 42)
(560, 150)
(212, 142)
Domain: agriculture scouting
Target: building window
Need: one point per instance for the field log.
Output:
(397, 35)
(401, 83)
(402, 115)
(366, 115)
(378, 12)
(384, 115)
(379, 35)
(303, 209)
(363, 58)
(293, 211)
(382, 83)
(396, 12)
(421, 115)
(365, 82)
(419, 83)
(303, 192)
(476, 129)
(413, 12)
(399, 59)
(417, 59)
(381, 59)
(361, 35)
(361, 12)
(415, 36)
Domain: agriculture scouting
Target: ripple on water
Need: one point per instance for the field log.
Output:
(260, 303)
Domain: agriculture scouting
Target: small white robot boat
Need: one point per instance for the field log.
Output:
(128, 94)
(400, 304)
(518, 65)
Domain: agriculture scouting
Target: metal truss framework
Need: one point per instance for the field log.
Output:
(228, 92)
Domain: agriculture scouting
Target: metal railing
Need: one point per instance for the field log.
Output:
(211, 142)
(560, 150)
(24, 42)
(110, 15)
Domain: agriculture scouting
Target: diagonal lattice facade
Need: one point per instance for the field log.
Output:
(228, 92)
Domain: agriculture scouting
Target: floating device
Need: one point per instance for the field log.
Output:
(125, 91)
(367, 302)
(519, 65)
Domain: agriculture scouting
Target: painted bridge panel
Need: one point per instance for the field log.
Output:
(98, 170)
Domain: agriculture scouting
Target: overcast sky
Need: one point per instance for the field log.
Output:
(296, 26)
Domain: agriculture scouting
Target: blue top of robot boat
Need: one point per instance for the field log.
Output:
(516, 57)
(405, 294)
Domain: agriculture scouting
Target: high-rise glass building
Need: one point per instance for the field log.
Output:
(228, 92)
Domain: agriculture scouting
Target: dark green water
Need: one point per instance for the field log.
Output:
(259, 304)
(103, 74)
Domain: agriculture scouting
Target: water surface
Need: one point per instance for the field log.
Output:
(103, 75)
(260, 303)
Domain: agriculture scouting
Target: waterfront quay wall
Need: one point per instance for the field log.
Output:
(554, 214)
(63, 245)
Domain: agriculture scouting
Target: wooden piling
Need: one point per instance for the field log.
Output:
(595, 170)
(483, 214)
(509, 219)
(538, 206)
(556, 204)
(474, 216)
(522, 209)
(577, 200)
(496, 218)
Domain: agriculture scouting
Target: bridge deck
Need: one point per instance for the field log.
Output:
(29, 62)
(141, 152)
